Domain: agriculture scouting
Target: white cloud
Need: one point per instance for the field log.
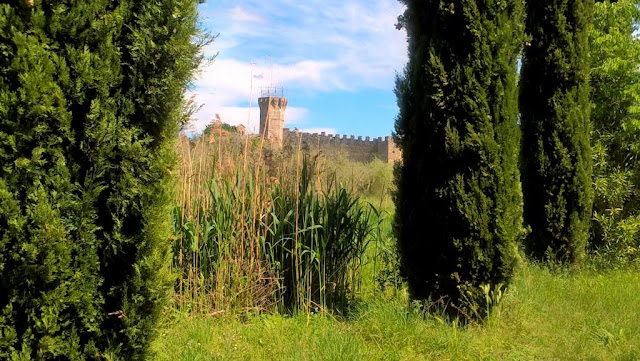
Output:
(249, 117)
(242, 15)
(314, 46)
(224, 84)
(229, 81)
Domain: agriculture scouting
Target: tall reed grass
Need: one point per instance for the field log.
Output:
(259, 230)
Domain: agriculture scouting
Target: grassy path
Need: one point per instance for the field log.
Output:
(544, 316)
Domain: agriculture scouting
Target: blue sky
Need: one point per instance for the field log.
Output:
(336, 60)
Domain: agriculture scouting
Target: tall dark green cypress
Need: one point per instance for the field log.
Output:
(459, 202)
(556, 149)
(91, 96)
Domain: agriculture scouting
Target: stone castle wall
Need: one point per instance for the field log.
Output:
(272, 112)
(357, 149)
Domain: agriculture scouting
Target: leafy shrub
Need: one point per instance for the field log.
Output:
(615, 234)
(615, 80)
(373, 180)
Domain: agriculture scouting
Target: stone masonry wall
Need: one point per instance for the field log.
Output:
(272, 111)
(357, 149)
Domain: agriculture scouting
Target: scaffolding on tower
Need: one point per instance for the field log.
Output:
(272, 91)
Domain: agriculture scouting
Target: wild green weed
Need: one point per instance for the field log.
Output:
(261, 231)
(315, 242)
(384, 256)
(544, 315)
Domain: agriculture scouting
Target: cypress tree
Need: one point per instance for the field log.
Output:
(554, 101)
(91, 96)
(459, 202)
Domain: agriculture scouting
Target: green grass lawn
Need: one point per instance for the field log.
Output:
(544, 316)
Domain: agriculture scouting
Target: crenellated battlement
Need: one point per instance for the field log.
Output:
(336, 138)
(272, 111)
(273, 102)
(358, 148)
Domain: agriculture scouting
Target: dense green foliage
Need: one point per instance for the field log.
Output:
(373, 180)
(556, 149)
(90, 103)
(615, 82)
(458, 204)
(220, 127)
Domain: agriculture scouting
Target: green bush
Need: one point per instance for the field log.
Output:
(91, 97)
(458, 205)
(615, 81)
(615, 233)
(372, 180)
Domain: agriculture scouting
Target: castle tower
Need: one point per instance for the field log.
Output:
(272, 107)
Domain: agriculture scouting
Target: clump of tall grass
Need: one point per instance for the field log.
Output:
(259, 230)
(316, 242)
